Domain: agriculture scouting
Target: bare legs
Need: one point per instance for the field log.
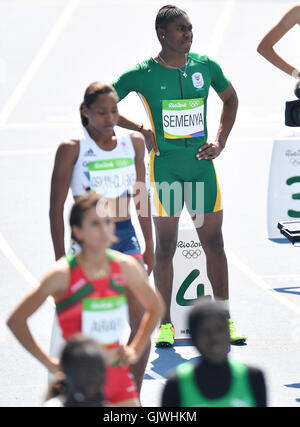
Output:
(211, 238)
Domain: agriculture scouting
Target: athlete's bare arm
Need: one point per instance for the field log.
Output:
(66, 156)
(55, 284)
(265, 47)
(211, 150)
(147, 133)
(138, 283)
(141, 199)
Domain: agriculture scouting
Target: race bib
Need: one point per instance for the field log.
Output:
(183, 118)
(111, 178)
(105, 319)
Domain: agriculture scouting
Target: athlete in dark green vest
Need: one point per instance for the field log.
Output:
(216, 380)
(174, 88)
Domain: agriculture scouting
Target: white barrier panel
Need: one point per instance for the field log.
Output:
(190, 278)
(284, 182)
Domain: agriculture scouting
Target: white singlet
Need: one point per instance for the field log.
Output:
(109, 173)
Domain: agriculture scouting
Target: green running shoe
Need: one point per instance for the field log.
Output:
(166, 335)
(235, 336)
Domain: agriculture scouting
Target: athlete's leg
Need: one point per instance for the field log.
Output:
(128, 244)
(211, 238)
(136, 312)
(166, 229)
(120, 388)
(128, 404)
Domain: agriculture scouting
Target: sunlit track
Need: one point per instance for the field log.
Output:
(40, 57)
(40, 111)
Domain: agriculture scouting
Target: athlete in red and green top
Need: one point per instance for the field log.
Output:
(94, 292)
(174, 87)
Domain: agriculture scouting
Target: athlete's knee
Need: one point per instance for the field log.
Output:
(165, 249)
(214, 243)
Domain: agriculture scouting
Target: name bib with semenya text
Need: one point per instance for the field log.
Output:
(183, 118)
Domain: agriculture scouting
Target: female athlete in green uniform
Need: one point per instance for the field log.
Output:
(174, 87)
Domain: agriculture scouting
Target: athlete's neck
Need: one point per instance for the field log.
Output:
(103, 141)
(208, 364)
(173, 58)
(93, 260)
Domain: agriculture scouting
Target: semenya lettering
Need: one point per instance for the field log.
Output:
(185, 120)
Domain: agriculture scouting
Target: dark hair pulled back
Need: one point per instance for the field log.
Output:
(91, 95)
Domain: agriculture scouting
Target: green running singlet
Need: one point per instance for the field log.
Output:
(239, 393)
(176, 107)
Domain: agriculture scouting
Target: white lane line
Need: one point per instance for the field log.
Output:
(19, 266)
(155, 376)
(38, 60)
(260, 282)
(75, 125)
(46, 125)
(281, 276)
(29, 152)
(221, 27)
(51, 150)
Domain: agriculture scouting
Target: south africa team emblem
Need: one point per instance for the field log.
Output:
(198, 81)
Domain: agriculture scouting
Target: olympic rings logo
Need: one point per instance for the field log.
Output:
(189, 254)
(295, 162)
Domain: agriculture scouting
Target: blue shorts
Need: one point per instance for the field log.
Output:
(128, 242)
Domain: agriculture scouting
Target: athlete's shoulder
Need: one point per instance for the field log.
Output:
(204, 59)
(57, 278)
(146, 65)
(69, 145)
(129, 265)
(60, 268)
(140, 67)
(119, 257)
(68, 148)
(137, 140)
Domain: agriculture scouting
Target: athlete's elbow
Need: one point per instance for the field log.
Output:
(11, 322)
(259, 49)
(263, 48)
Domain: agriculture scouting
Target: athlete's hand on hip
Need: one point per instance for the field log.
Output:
(209, 151)
(150, 141)
(127, 355)
(149, 259)
(53, 365)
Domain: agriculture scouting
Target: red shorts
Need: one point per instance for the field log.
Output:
(119, 385)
